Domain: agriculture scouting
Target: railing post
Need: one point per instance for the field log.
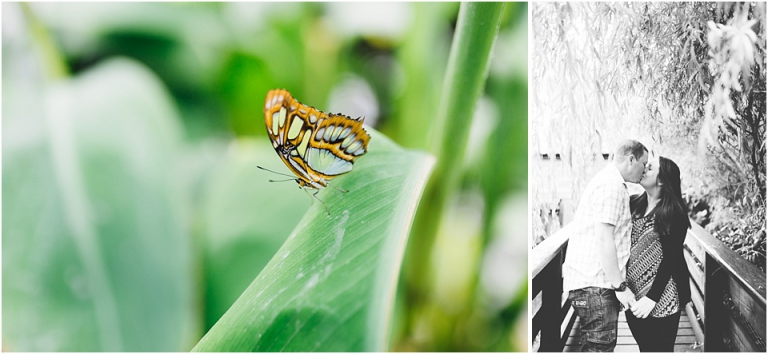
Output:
(715, 284)
(551, 295)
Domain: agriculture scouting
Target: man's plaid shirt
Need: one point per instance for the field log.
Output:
(604, 200)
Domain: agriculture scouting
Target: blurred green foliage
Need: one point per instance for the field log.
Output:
(96, 247)
(134, 216)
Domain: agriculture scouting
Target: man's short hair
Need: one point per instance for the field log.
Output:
(630, 147)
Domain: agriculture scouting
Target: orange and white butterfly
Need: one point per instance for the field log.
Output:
(316, 146)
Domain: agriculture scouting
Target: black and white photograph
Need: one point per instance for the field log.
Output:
(647, 176)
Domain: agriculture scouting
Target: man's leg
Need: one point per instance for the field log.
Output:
(598, 311)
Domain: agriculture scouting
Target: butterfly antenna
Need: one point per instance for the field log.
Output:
(282, 180)
(282, 174)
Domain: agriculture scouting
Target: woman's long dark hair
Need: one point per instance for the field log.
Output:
(671, 211)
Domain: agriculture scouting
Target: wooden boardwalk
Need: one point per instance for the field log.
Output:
(685, 342)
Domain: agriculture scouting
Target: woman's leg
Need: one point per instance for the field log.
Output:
(666, 332)
(654, 334)
(640, 330)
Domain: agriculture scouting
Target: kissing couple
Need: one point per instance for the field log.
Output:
(626, 253)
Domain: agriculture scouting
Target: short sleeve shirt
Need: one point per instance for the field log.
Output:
(605, 200)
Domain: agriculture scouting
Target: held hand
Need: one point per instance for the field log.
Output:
(626, 297)
(643, 307)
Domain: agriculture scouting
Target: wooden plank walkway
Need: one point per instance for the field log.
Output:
(685, 342)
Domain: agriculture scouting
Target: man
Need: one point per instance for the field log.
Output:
(594, 270)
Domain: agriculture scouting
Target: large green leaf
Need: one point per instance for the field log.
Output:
(96, 255)
(331, 286)
(246, 220)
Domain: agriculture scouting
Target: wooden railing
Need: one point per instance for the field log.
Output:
(553, 316)
(725, 288)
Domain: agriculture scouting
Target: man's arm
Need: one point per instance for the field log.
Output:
(609, 261)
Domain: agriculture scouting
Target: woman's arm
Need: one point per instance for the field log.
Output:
(672, 251)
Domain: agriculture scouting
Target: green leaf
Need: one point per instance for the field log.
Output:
(246, 220)
(96, 255)
(331, 287)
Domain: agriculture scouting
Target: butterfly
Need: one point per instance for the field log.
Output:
(314, 145)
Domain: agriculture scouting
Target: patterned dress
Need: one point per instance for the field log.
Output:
(644, 259)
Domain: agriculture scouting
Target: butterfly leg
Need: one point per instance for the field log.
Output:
(337, 188)
(314, 195)
(326, 207)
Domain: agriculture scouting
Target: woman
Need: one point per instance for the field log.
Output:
(656, 271)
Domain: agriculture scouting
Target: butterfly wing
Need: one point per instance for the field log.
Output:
(287, 129)
(335, 144)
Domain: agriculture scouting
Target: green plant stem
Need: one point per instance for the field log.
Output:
(468, 63)
(53, 63)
